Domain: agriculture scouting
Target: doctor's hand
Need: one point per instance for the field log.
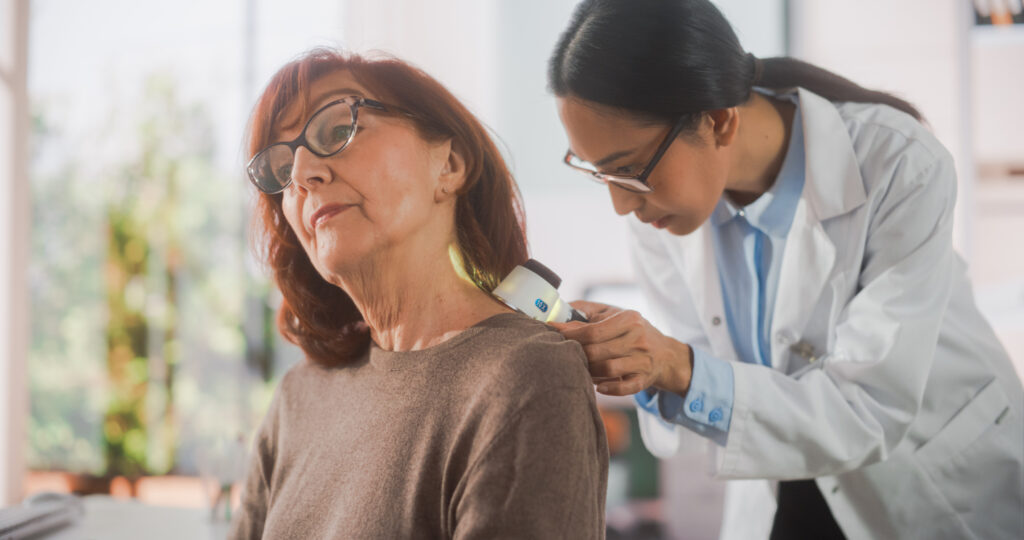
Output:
(627, 354)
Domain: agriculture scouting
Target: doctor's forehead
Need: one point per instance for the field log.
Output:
(596, 131)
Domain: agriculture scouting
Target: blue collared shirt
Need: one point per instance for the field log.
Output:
(748, 245)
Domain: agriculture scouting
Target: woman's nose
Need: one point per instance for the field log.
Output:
(309, 170)
(624, 201)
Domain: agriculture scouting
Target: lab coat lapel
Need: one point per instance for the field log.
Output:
(700, 270)
(833, 186)
(806, 265)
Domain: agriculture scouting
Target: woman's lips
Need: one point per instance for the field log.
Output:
(326, 212)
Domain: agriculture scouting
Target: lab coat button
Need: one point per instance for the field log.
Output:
(716, 415)
(697, 405)
(716, 320)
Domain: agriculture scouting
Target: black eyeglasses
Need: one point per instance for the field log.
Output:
(329, 131)
(637, 183)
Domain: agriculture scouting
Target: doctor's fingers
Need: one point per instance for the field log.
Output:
(622, 366)
(629, 385)
(621, 346)
(607, 329)
(594, 311)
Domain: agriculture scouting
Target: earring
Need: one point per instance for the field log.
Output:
(444, 190)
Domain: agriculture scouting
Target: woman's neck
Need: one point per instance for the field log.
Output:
(412, 301)
(763, 141)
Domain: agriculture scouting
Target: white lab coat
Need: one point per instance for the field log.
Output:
(887, 385)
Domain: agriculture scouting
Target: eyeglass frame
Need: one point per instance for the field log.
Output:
(354, 103)
(641, 177)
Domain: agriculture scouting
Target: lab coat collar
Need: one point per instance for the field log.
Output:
(833, 184)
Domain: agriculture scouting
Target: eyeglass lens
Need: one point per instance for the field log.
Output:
(627, 182)
(326, 133)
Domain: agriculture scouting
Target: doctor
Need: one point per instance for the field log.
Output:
(793, 232)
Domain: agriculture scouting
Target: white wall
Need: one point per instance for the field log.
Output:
(997, 96)
(760, 25)
(14, 226)
(452, 40)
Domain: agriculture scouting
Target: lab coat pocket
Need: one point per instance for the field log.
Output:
(973, 463)
(966, 426)
(818, 336)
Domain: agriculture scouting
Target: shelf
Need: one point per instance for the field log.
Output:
(998, 34)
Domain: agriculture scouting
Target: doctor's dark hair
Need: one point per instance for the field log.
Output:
(662, 59)
(320, 317)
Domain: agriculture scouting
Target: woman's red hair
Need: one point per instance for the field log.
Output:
(320, 317)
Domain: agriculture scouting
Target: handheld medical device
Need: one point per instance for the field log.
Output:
(532, 288)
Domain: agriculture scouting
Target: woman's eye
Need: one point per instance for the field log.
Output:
(340, 133)
(626, 169)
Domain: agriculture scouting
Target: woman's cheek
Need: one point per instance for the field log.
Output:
(292, 209)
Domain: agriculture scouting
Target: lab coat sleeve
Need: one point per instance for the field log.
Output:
(858, 406)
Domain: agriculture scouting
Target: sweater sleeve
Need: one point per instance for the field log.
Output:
(543, 475)
(252, 512)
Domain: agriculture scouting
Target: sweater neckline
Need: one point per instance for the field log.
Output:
(401, 360)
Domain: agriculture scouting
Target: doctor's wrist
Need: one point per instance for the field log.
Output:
(677, 371)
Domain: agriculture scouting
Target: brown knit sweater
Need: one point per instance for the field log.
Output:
(493, 434)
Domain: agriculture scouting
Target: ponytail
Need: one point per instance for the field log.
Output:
(784, 72)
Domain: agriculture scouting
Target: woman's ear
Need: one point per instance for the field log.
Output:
(453, 172)
(725, 125)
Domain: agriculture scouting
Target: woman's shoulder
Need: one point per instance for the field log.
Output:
(525, 352)
(307, 382)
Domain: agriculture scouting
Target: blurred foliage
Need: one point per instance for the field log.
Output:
(140, 292)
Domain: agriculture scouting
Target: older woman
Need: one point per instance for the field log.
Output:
(425, 407)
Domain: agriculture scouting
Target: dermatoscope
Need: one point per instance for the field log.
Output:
(532, 288)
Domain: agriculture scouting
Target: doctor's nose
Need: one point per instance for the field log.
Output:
(623, 200)
(309, 171)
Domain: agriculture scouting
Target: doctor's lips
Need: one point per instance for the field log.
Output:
(659, 223)
(326, 212)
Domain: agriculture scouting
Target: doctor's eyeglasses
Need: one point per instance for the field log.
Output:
(329, 131)
(637, 183)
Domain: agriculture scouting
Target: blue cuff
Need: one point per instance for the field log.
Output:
(710, 397)
(648, 401)
(707, 408)
(645, 400)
